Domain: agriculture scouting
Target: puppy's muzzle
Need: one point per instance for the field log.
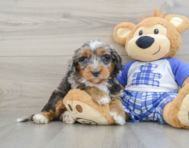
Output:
(145, 42)
(96, 73)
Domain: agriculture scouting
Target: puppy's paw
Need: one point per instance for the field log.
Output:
(39, 118)
(118, 119)
(104, 100)
(98, 96)
(67, 118)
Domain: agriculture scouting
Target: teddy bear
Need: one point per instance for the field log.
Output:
(152, 81)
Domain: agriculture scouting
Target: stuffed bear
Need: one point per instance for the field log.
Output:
(151, 83)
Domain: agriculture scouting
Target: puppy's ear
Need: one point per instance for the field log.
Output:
(121, 32)
(181, 23)
(72, 66)
(118, 62)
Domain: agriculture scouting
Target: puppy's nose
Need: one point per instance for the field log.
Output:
(96, 73)
(145, 42)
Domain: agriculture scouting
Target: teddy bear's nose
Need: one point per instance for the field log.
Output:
(145, 42)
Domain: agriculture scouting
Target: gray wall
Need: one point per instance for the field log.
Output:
(38, 37)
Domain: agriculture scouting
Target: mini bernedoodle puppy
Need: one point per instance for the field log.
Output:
(93, 68)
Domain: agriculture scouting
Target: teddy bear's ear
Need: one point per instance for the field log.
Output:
(121, 32)
(180, 22)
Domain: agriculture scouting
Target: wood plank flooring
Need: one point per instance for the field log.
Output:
(37, 38)
(57, 134)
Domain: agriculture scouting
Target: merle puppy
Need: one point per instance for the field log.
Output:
(94, 68)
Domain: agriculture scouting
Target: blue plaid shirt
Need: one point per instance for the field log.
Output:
(156, 76)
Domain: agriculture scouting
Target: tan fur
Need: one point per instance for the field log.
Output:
(60, 109)
(49, 115)
(96, 93)
(99, 52)
(116, 106)
(87, 53)
(122, 25)
(183, 26)
(185, 82)
(122, 87)
(87, 74)
(111, 68)
(170, 111)
(157, 13)
(172, 34)
(82, 96)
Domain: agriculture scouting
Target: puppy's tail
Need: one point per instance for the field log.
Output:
(24, 119)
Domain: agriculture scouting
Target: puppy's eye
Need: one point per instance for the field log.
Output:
(84, 59)
(106, 58)
(156, 31)
(140, 32)
(103, 58)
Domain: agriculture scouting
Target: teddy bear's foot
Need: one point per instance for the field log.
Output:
(83, 109)
(183, 114)
(67, 118)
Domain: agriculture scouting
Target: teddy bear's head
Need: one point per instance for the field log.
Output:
(153, 38)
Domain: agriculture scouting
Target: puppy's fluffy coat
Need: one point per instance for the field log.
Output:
(93, 68)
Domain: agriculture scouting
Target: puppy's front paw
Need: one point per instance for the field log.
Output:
(99, 96)
(39, 118)
(104, 100)
(118, 119)
(67, 118)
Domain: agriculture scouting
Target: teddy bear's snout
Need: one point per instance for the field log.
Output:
(145, 42)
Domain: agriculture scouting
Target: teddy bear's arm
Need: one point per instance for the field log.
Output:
(186, 81)
(98, 95)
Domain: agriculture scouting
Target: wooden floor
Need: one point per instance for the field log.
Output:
(60, 135)
(37, 38)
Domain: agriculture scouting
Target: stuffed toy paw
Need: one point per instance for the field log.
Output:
(83, 109)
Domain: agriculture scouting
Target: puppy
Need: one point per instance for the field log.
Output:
(93, 68)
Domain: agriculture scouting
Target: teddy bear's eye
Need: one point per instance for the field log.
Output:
(141, 32)
(156, 31)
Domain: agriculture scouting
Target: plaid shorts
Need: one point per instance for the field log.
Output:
(146, 106)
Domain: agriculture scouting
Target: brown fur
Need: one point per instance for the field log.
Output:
(100, 52)
(60, 109)
(87, 74)
(122, 87)
(86, 53)
(116, 106)
(172, 34)
(157, 13)
(49, 115)
(183, 26)
(96, 93)
(80, 95)
(170, 111)
(111, 68)
(122, 25)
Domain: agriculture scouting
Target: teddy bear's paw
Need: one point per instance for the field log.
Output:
(39, 118)
(67, 118)
(118, 119)
(183, 114)
(84, 113)
(104, 100)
